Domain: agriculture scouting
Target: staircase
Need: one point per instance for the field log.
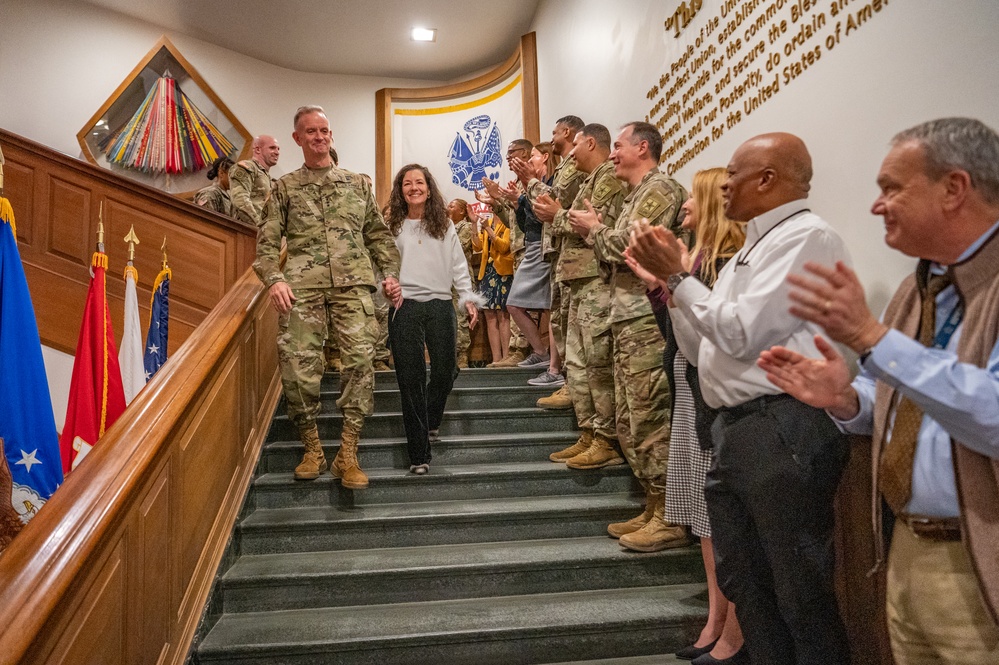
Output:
(498, 556)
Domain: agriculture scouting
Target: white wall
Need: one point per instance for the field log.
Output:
(914, 61)
(60, 61)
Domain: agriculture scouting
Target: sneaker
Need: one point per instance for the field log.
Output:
(420, 469)
(547, 379)
(535, 361)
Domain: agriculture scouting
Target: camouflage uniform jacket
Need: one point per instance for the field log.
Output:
(657, 198)
(565, 185)
(465, 232)
(336, 236)
(508, 215)
(249, 187)
(606, 193)
(215, 198)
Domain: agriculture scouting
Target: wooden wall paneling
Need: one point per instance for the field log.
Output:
(58, 304)
(250, 392)
(97, 625)
(70, 208)
(19, 189)
(208, 454)
(154, 534)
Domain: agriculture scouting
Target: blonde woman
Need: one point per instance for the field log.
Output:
(717, 239)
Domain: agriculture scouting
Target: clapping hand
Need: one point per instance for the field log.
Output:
(545, 208)
(657, 250)
(820, 382)
(583, 221)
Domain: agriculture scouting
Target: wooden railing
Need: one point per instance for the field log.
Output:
(56, 200)
(117, 566)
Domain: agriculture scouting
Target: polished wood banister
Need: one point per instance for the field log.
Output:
(48, 571)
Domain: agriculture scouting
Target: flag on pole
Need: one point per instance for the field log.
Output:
(133, 373)
(159, 322)
(96, 395)
(27, 425)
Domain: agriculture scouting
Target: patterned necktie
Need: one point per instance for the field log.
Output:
(895, 470)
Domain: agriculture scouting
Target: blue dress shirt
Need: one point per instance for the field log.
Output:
(959, 401)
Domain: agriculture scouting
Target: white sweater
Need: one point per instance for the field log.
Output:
(430, 266)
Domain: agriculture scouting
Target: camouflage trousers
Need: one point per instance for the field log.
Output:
(560, 315)
(589, 359)
(643, 398)
(382, 352)
(463, 340)
(346, 315)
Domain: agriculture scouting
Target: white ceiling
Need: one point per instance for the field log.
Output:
(363, 37)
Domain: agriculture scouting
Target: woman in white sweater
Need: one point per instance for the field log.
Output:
(432, 261)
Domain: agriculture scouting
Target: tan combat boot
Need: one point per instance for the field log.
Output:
(657, 535)
(345, 465)
(381, 366)
(510, 361)
(618, 529)
(313, 462)
(557, 400)
(601, 453)
(582, 444)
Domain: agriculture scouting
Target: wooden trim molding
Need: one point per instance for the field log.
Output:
(56, 201)
(117, 566)
(524, 58)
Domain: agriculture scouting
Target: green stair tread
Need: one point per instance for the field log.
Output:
(470, 557)
(480, 509)
(453, 621)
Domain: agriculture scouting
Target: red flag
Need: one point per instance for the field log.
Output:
(96, 396)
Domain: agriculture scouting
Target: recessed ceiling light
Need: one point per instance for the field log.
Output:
(424, 35)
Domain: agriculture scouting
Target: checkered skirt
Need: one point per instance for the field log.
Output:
(688, 464)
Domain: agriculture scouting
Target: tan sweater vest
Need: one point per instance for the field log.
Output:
(977, 282)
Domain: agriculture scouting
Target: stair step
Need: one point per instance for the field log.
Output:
(347, 526)
(513, 629)
(451, 449)
(443, 572)
(445, 483)
(467, 378)
(460, 399)
(657, 659)
(476, 421)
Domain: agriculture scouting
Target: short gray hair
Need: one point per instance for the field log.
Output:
(964, 144)
(305, 110)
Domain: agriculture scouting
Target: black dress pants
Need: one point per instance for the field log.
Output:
(412, 327)
(770, 496)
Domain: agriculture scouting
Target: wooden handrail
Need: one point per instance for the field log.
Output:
(109, 514)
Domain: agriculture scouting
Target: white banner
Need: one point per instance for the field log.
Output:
(463, 140)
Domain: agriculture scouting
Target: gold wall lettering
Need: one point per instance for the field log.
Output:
(741, 58)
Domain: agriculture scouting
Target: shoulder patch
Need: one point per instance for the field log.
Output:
(652, 205)
(602, 192)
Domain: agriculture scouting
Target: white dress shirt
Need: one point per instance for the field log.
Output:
(747, 311)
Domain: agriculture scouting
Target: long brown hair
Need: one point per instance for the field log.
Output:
(435, 220)
(552, 158)
(716, 236)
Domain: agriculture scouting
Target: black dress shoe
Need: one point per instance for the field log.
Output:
(740, 657)
(692, 652)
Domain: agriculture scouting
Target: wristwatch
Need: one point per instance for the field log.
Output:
(673, 281)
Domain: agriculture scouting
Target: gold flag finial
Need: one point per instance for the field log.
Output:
(1, 171)
(100, 228)
(164, 253)
(132, 241)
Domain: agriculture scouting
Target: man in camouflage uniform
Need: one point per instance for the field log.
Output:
(503, 201)
(336, 240)
(250, 181)
(640, 383)
(589, 348)
(465, 229)
(566, 182)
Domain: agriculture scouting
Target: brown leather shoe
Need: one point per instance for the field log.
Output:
(510, 361)
(618, 529)
(558, 400)
(657, 535)
(582, 444)
(601, 453)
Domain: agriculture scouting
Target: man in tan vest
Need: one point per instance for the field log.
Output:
(928, 388)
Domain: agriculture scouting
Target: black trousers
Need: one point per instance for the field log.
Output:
(770, 496)
(412, 327)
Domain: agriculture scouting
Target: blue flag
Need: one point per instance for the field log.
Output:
(27, 426)
(159, 322)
